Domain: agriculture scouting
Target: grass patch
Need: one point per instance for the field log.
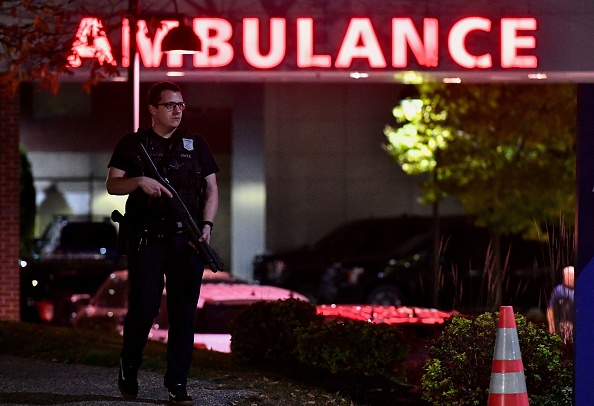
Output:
(101, 348)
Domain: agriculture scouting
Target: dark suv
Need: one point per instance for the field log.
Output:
(74, 255)
(389, 261)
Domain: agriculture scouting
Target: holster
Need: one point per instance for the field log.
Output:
(123, 232)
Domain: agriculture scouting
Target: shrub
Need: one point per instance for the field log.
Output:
(264, 333)
(458, 370)
(352, 346)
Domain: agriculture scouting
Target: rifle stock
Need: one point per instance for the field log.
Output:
(208, 254)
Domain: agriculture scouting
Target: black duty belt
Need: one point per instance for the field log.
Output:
(162, 229)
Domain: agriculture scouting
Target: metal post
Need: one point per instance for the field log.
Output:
(435, 263)
(134, 69)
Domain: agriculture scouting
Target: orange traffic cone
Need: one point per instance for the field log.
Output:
(508, 383)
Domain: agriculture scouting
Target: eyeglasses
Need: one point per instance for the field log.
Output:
(169, 106)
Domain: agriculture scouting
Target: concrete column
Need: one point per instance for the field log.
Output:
(248, 182)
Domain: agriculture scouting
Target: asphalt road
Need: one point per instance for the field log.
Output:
(25, 381)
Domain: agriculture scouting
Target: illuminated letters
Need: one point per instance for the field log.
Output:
(360, 30)
(360, 44)
(149, 51)
(404, 32)
(510, 43)
(305, 46)
(91, 43)
(251, 42)
(219, 41)
(457, 45)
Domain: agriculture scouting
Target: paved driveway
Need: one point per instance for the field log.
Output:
(25, 381)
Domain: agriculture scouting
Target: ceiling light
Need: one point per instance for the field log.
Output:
(358, 75)
(181, 40)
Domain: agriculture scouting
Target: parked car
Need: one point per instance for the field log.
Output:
(389, 262)
(222, 296)
(73, 256)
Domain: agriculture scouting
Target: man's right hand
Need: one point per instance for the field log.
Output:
(152, 187)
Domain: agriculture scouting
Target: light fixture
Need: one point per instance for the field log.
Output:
(178, 40)
(358, 75)
(181, 40)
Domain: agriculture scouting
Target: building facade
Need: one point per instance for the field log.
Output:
(300, 90)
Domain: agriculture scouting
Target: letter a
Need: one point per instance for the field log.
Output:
(91, 42)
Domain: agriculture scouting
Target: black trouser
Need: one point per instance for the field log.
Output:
(183, 271)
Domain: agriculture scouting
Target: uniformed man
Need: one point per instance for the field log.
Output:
(159, 251)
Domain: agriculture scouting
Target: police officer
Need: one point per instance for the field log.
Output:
(159, 251)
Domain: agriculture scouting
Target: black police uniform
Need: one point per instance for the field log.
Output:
(158, 245)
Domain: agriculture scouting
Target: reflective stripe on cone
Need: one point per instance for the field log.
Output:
(498, 399)
(508, 383)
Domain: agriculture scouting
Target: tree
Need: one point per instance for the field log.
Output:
(35, 42)
(507, 152)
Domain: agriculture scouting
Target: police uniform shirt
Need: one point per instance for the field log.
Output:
(176, 158)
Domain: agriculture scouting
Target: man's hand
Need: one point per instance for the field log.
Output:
(204, 237)
(205, 233)
(152, 187)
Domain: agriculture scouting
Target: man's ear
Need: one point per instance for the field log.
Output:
(152, 109)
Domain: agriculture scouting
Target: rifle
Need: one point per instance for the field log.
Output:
(207, 253)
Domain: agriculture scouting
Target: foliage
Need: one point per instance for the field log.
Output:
(35, 42)
(505, 151)
(459, 366)
(265, 332)
(352, 346)
(28, 207)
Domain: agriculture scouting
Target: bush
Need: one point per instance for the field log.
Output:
(352, 346)
(264, 333)
(458, 370)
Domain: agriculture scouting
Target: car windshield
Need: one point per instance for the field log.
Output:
(88, 237)
(370, 237)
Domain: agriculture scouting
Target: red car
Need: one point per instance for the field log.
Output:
(222, 296)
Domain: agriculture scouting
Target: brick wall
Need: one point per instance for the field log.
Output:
(9, 207)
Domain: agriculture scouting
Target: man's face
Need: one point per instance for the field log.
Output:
(164, 118)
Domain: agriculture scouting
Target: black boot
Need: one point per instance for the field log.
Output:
(178, 395)
(128, 380)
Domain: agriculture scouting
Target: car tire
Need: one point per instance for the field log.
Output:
(385, 295)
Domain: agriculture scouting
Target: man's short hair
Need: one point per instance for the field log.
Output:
(154, 93)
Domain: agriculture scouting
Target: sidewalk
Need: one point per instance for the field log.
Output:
(25, 381)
